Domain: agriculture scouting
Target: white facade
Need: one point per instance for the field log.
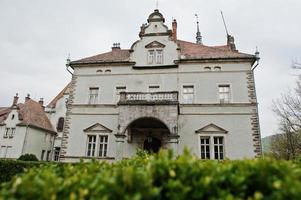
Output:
(173, 95)
(21, 133)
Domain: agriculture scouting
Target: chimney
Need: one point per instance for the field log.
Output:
(230, 42)
(41, 102)
(27, 97)
(116, 46)
(174, 30)
(15, 102)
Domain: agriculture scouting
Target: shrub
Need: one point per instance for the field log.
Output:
(9, 168)
(28, 157)
(159, 177)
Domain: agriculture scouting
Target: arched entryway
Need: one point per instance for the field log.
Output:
(149, 134)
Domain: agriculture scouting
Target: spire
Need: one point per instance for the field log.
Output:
(198, 33)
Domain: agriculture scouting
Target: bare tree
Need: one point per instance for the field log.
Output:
(288, 109)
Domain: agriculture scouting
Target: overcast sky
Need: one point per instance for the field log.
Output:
(36, 37)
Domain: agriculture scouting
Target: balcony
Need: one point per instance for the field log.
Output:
(149, 98)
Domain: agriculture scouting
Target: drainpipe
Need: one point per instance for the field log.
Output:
(25, 140)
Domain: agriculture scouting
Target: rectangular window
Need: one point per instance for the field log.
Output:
(188, 94)
(119, 89)
(205, 147)
(12, 132)
(93, 95)
(91, 145)
(6, 133)
(56, 153)
(3, 152)
(218, 148)
(42, 154)
(153, 88)
(103, 145)
(150, 56)
(224, 93)
(48, 155)
(159, 56)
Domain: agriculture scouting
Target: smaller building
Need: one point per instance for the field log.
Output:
(26, 129)
(56, 112)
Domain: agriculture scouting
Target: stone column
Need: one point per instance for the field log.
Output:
(120, 139)
(173, 143)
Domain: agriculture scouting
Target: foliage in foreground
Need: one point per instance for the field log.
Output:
(159, 177)
(9, 168)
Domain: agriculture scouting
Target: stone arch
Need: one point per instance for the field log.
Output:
(149, 118)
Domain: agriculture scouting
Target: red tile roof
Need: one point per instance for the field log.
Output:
(53, 102)
(188, 50)
(196, 51)
(116, 55)
(30, 113)
(4, 111)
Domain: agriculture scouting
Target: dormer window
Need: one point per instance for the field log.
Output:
(159, 56)
(155, 56)
(150, 57)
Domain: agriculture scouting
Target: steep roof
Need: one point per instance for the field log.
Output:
(4, 111)
(30, 113)
(53, 102)
(188, 50)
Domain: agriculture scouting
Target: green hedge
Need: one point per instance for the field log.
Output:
(159, 177)
(9, 168)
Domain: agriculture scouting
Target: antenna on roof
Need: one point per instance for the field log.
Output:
(198, 33)
(224, 23)
(157, 4)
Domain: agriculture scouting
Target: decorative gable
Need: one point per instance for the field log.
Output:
(211, 128)
(98, 128)
(155, 44)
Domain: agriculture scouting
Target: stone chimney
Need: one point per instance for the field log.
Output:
(230, 42)
(116, 46)
(15, 101)
(41, 102)
(27, 97)
(174, 30)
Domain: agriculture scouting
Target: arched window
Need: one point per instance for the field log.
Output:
(60, 124)
(217, 68)
(207, 68)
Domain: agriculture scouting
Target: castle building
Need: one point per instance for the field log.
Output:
(162, 93)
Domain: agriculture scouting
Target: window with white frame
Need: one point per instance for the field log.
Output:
(103, 145)
(218, 147)
(12, 132)
(188, 94)
(91, 145)
(205, 147)
(159, 56)
(224, 93)
(6, 132)
(153, 88)
(155, 56)
(5, 151)
(93, 95)
(57, 153)
(212, 147)
(119, 89)
(150, 56)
